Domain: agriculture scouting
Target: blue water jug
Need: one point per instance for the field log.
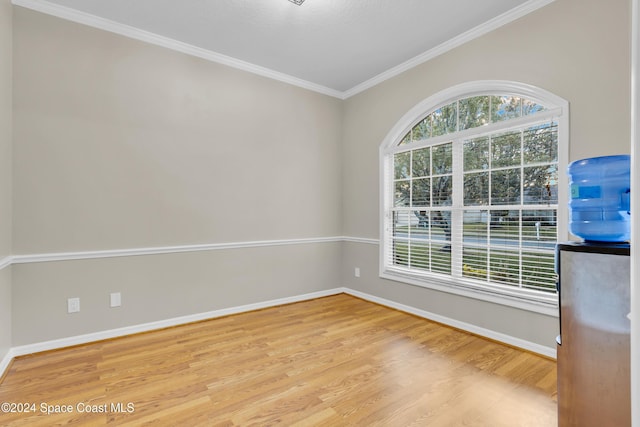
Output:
(599, 205)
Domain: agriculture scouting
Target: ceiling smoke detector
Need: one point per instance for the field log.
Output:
(298, 2)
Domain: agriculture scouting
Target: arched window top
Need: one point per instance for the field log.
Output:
(472, 191)
(466, 107)
(472, 112)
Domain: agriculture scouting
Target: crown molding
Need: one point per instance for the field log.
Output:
(474, 33)
(84, 18)
(94, 21)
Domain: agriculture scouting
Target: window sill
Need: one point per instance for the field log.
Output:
(547, 306)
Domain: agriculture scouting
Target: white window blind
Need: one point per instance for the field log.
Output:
(472, 198)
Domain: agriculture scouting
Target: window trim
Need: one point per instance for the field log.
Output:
(558, 109)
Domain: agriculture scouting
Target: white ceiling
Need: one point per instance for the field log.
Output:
(338, 47)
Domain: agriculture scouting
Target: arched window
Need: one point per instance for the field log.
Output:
(471, 183)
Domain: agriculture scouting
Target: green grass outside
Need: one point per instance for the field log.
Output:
(529, 232)
(499, 266)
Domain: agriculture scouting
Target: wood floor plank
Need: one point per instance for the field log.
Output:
(332, 361)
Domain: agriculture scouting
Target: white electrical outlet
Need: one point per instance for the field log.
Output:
(73, 305)
(116, 299)
(357, 272)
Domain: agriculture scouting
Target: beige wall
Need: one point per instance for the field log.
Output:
(5, 172)
(577, 49)
(160, 287)
(120, 144)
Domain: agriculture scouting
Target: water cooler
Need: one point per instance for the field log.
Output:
(594, 296)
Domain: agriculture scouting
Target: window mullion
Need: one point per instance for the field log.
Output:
(490, 213)
(409, 237)
(420, 254)
(457, 215)
(520, 216)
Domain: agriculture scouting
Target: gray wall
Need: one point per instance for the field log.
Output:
(159, 287)
(5, 171)
(577, 49)
(120, 144)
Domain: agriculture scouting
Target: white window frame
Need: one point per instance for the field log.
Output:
(557, 109)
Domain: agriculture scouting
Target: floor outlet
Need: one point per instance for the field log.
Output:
(73, 305)
(116, 299)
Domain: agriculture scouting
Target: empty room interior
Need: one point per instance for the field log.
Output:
(264, 212)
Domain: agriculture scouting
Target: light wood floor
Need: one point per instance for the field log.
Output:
(334, 361)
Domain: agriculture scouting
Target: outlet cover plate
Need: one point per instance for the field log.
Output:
(116, 299)
(73, 305)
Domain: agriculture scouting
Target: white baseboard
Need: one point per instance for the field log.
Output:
(6, 361)
(498, 336)
(145, 327)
